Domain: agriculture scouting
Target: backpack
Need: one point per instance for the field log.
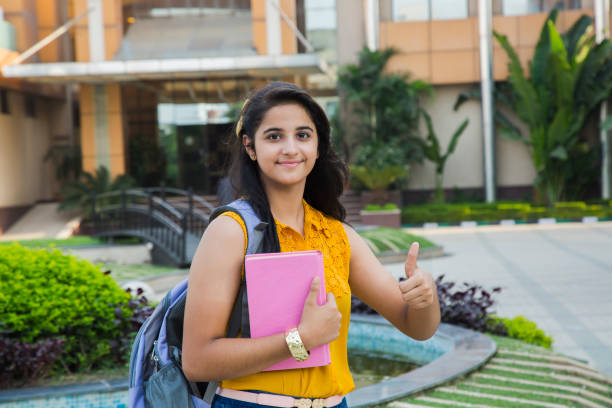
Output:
(156, 378)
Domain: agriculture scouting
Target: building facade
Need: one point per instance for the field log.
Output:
(132, 78)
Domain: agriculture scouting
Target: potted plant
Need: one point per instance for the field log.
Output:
(387, 215)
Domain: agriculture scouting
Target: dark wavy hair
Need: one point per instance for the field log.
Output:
(324, 184)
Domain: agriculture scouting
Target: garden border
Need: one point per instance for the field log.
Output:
(508, 222)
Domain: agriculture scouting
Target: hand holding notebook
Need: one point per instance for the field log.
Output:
(277, 287)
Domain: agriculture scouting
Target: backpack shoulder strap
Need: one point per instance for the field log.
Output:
(254, 226)
(239, 319)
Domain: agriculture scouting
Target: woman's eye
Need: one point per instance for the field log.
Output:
(303, 135)
(273, 136)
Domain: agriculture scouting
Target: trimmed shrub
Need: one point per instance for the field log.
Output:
(378, 207)
(25, 362)
(523, 329)
(468, 306)
(493, 212)
(45, 294)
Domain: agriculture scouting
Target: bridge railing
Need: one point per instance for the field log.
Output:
(144, 214)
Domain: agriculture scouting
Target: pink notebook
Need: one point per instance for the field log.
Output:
(277, 287)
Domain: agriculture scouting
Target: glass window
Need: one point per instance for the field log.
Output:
(320, 19)
(449, 9)
(410, 10)
(320, 16)
(520, 7)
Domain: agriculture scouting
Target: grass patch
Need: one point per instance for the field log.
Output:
(530, 387)
(471, 399)
(525, 394)
(83, 377)
(512, 344)
(533, 359)
(75, 241)
(79, 240)
(520, 376)
(122, 273)
(543, 376)
(392, 239)
(544, 370)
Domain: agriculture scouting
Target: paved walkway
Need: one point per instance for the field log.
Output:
(559, 276)
(41, 221)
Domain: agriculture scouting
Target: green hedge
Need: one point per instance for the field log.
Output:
(46, 294)
(494, 212)
(378, 207)
(524, 329)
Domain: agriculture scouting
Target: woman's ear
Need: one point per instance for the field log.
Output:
(248, 146)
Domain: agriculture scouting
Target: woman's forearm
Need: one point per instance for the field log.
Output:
(226, 358)
(421, 324)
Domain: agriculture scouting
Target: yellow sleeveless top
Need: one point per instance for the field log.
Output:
(328, 236)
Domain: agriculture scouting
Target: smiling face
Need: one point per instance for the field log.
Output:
(286, 146)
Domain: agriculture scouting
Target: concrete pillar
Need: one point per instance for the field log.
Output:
(95, 22)
(350, 31)
(371, 22)
(273, 28)
(102, 135)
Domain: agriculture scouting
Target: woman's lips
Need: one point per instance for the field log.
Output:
(289, 163)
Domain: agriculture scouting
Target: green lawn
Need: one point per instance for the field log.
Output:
(505, 382)
(123, 273)
(384, 239)
(79, 240)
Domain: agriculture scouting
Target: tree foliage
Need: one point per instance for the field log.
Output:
(433, 151)
(384, 111)
(570, 75)
(77, 194)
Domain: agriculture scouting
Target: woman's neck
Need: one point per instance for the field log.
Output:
(286, 206)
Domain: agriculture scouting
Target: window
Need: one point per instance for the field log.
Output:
(30, 106)
(423, 10)
(410, 10)
(521, 7)
(4, 105)
(449, 9)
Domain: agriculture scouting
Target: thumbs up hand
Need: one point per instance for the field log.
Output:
(419, 287)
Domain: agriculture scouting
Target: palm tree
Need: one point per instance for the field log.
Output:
(383, 114)
(433, 152)
(77, 194)
(569, 76)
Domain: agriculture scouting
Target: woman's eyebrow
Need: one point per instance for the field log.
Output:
(274, 129)
(304, 128)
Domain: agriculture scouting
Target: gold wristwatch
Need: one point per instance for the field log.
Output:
(296, 347)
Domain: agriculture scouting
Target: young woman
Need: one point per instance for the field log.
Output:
(286, 168)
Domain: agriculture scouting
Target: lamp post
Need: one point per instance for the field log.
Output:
(486, 87)
(602, 31)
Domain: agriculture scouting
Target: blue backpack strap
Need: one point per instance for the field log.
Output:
(239, 318)
(252, 222)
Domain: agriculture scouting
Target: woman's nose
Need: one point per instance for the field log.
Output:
(289, 147)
